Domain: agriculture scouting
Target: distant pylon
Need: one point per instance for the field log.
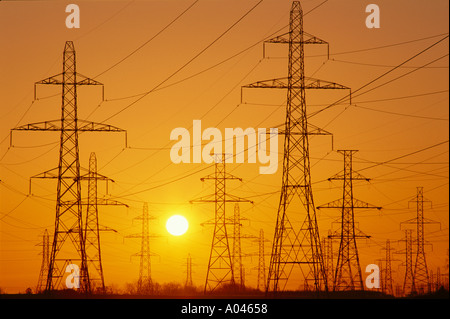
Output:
(388, 280)
(408, 252)
(145, 283)
(68, 239)
(237, 253)
(261, 285)
(296, 249)
(348, 270)
(189, 282)
(421, 280)
(328, 259)
(92, 227)
(42, 280)
(220, 266)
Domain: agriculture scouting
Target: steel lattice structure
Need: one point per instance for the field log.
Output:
(238, 268)
(189, 282)
(421, 280)
(145, 283)
(261, 283)
(92, 227)
(42, 280)
(328, 259)
(220, 266)
(68, 244)
(388, 280)
(348, 270)
(296, 237)
(408, 252)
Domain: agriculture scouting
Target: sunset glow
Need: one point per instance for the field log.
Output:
(177, 225)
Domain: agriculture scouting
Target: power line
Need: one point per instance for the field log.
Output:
(380, 76)
(149, 40)
(402, 114)
(187, 63)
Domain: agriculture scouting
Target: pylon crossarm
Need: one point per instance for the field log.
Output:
(88, 126)
(97, 176)
(235, 199)
(86, 81)
(54, 79)
(205, 199)
(283, 83)
(312, 39)
(355, 176)
(105, 201)
(338, 203)
(286, 39)
(54, 125)
(360, 204)
(51, 173)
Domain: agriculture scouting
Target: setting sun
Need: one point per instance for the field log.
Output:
(177, 225)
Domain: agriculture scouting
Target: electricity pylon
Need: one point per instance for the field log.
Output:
(238, 269)
(388, 283)
(262, 280)
(296, 238)
(220, 266)
(42, 280)
(348, 270)
(145, 283)
(421, 278)
(408, 281)
(68, 239)
(92, 227)
(189, 282)
(327, 250)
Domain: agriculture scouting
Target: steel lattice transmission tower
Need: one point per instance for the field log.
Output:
(296, 238)
(220, 265)
(42, 280)
(348, 270)
(421, 278)
(145, 283)
(92, 227)
(189, 282)
(328, 259)
(388, 283)
(68, 239)
(238, 267)
(408, 281)
(262, 280)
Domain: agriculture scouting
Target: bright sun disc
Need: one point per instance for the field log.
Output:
(177, 225)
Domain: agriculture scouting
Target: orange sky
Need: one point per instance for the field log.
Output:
(383, 124)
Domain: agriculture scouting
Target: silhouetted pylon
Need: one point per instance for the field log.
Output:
(92, 227)
(238, 267)
(421, 280)
(408, 252)
(388, 282)
(261, 284)
(68, 239)
(220, 266)
(348, 270)
(189, 282)
(42, 280)
(327, 250)
(296, 249)
(145, 283)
